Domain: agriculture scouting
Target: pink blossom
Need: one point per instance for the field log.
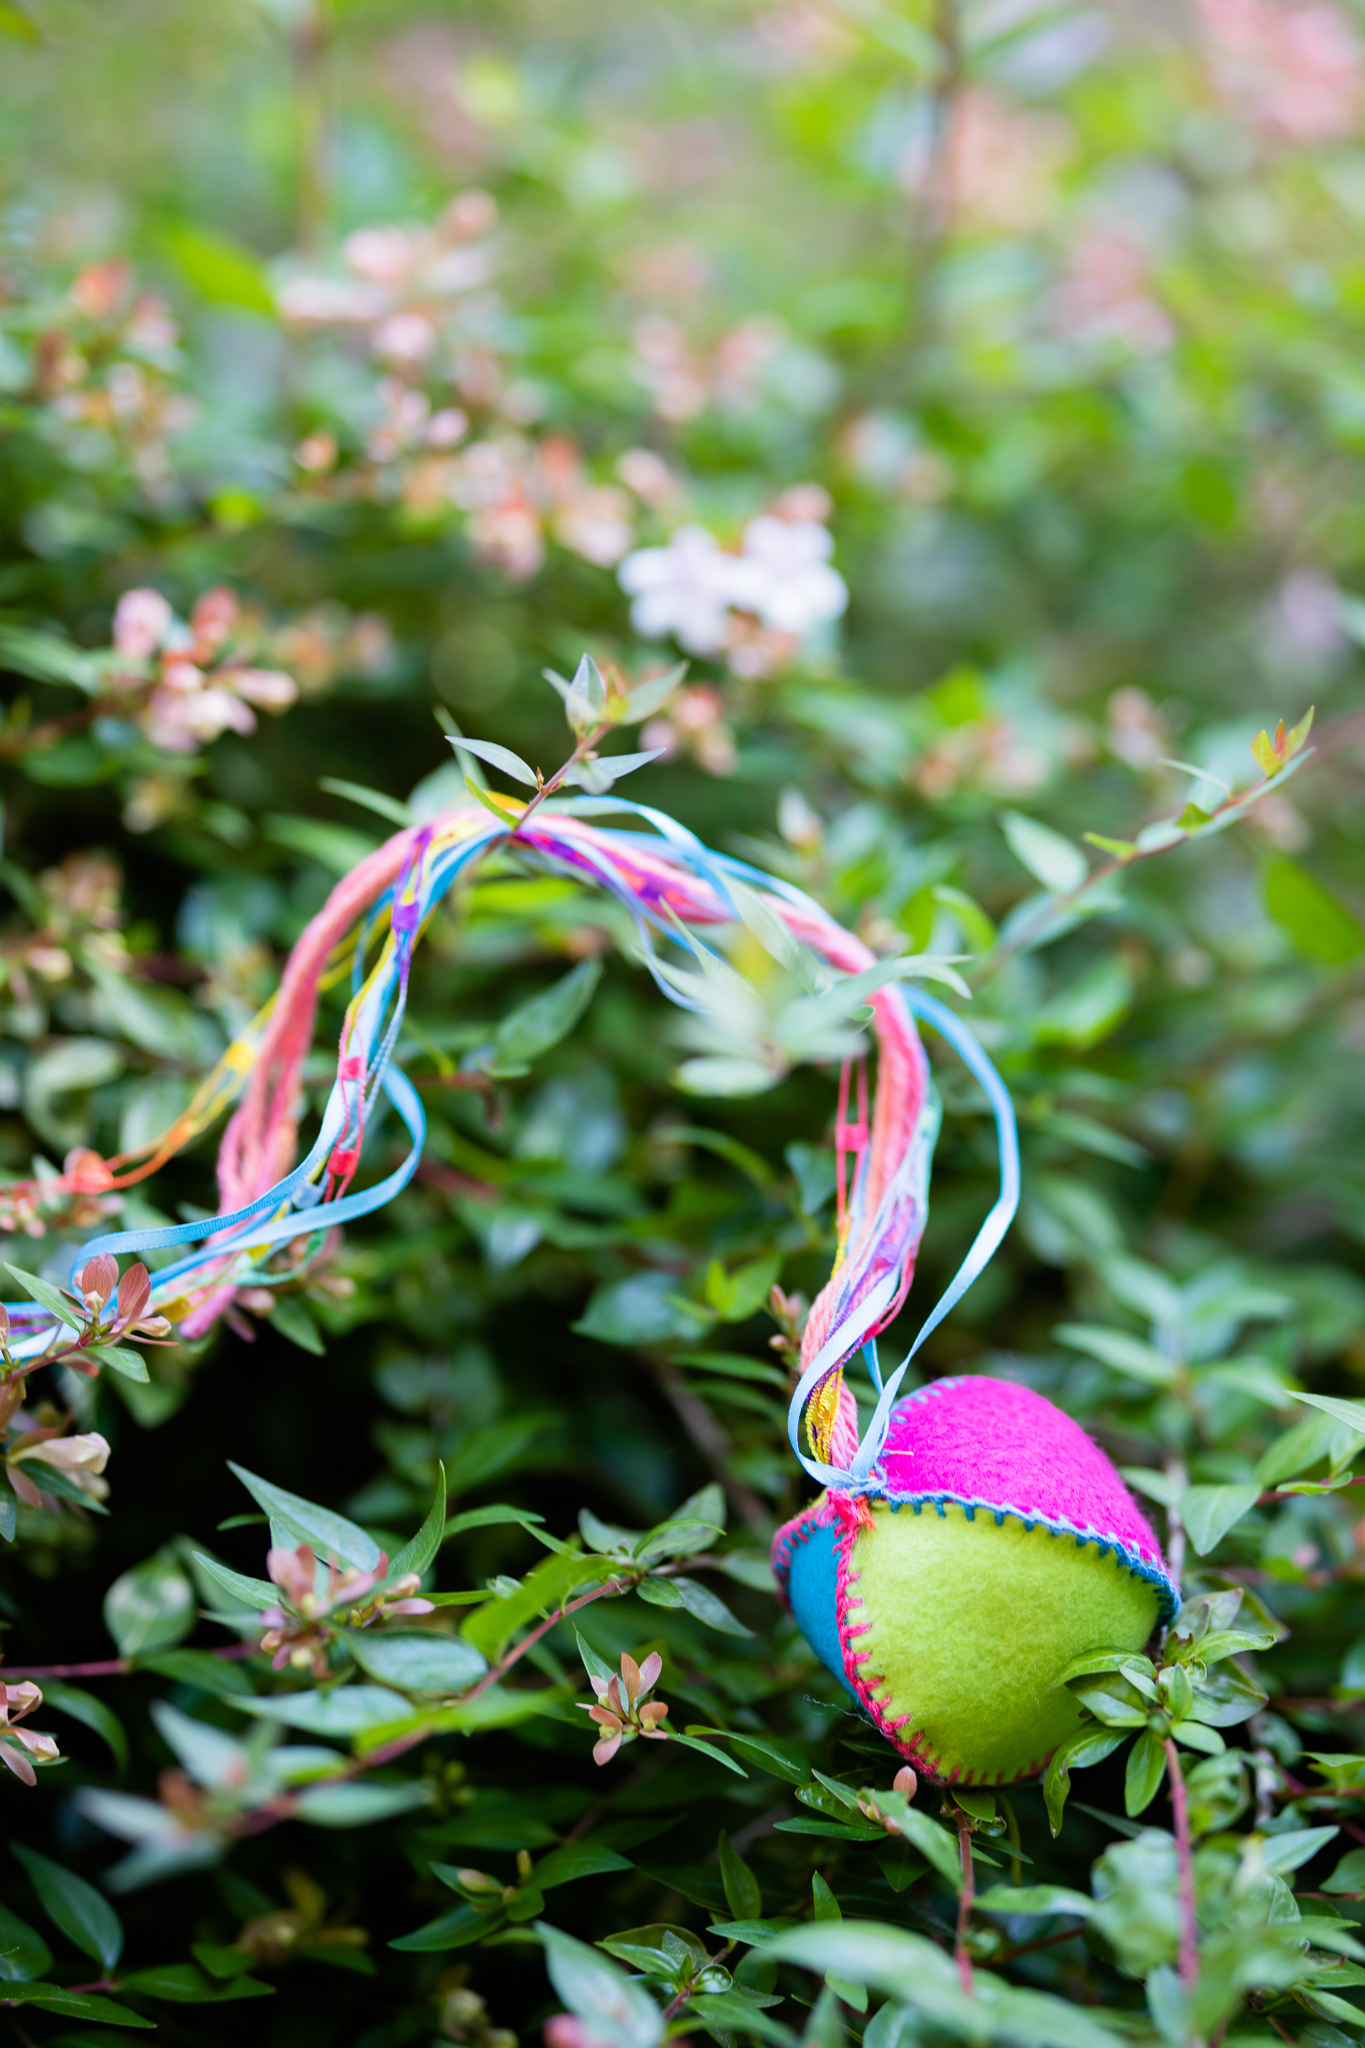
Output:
(596, 525)
(269, 688)
(324, 302)
(650, 477)
(1104, 295)
(381, 255)
(405, 338)
(213, 617)
(17, 1745)
(742, 357)
(81, 1459)
(1001, 162)
(141, 622)
(1294, 70)
(664, 365)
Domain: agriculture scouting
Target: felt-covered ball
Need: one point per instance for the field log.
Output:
(1003, 1545)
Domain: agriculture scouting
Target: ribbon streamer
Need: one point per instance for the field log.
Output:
(672, 886)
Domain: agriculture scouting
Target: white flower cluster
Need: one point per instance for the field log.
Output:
(755, 605)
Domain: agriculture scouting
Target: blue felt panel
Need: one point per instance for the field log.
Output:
(813, 1591)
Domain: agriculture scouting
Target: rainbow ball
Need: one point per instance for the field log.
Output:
(1002, 1545)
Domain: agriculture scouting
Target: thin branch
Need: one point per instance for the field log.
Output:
(498, 1671)
(1045, 1941)
(1057, 906)
(112, 1667)
(964, 1904)
(27, 739)
(1175, 1528)
(1189, 1925)
(714, 1444)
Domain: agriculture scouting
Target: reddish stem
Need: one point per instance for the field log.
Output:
(492, 1676)
(109, 1667)
(1189, 1925)
(964, 1906)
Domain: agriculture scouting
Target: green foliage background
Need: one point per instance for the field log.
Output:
(1062, 310)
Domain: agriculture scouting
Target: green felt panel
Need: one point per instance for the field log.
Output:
(968, 1622)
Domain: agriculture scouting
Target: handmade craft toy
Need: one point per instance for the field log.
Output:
(973, 1540)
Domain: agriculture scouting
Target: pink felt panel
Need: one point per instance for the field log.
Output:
(991, 1441)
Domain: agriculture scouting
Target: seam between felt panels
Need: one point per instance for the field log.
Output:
(789, 1538)
(853, 1518)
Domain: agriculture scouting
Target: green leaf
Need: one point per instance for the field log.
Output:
(832, 1830)
(1352, 1413)
(344, 1710)
(1104, 1660)
(742, 1892)
(292, 1320)
(361, 1804)
(1126, 1354)
(1349, 1875)
(200, 1669)
(1320, 927)
(576, 1860)
(369, 799)
(933, 1841)
(785, 1760)
(257, 1593)
(150, 1607)
(119, 1358)
(23, 1952)
(1145, 1771)
(533, 1027)
(417, 1554)
(648, 697)
(84, 1915)
(1208, 1512)
(707, 1607)
(44, 1293)
(84, 1707)
(727, 2013)
(733, 1365)
(1034, 1898)
(334, 847)
(681, 1536)
(1056, 862)
(220, 271)
(1294, 1846)
(1198, 1735)
(737, 1296)
(302, 1521)
(16, 23)
(186, 1984)
(497, 757)
(1088, 1010)
(416, 1660)
(76, 2005)
(641, 1309)
(1087, 1746)
(717, 1756)
(542, 1590)
(487, 1518)
(456, 1929)
(616, 2009)
(659, 1593)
